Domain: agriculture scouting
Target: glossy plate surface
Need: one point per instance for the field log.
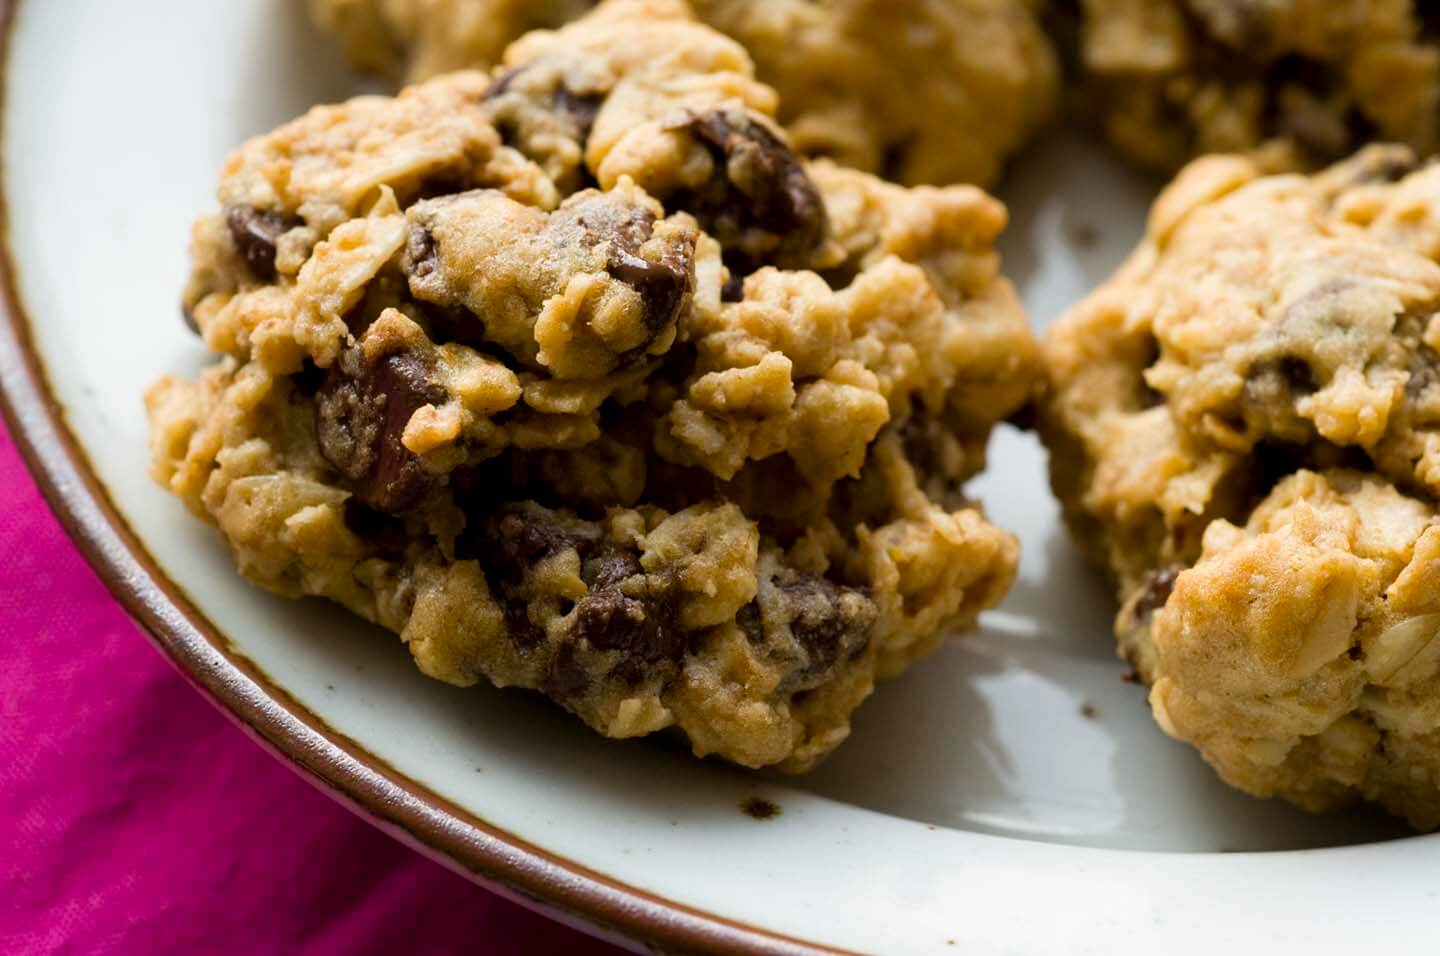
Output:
(1009, 796)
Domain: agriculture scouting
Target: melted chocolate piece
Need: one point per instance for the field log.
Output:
(360, 414)
(664, 284)
(255, 233)
(825, 624)
(632, 613)
(759, 186)
(1155, 591)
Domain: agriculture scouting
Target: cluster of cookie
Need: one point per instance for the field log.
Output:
(581, 377)
(577, 377)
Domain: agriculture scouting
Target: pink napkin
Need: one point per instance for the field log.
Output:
(134, 818)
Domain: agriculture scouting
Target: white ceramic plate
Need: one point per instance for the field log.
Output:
(1009, 796)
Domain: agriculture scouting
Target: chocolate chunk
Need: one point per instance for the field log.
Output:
(422, 254)
(577, 111)
(508, 544)
(522, 632)
(448, 321)
(664, 283)
(360, 414)
(1280, 380)
(630, 612)
(255, 233)
(760, 204)
(613, 567)
(525, 535)
(1155, 591)
(829, 621)
(455, 323)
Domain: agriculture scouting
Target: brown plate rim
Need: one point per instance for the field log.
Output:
(496, 859)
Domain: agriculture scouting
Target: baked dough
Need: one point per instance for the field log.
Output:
(579, 379)
(1244, 425)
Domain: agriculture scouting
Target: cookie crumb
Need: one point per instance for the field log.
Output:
(758, 808)
(1089, 711)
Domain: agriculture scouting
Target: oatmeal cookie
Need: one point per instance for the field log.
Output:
(919, 91)
(419, 39)
(1316, 79)
(1245, 430)
(922, 91)
(621, 402)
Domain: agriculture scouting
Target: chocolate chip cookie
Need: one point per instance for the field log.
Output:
(1314, 79)
(924, 91)
(1245, 430)
(577, 378)
(420, 39)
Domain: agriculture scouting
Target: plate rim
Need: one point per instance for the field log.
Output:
(498, 860)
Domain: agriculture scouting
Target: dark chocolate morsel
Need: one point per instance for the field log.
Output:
(255, 233)
(665, 282)
(632, 613)
(830, 621)
(360, 415)
(422, 256)
(1155, 591)
(508, 544)
(760, 204)
(577, 109)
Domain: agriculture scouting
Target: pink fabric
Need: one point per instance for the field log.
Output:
(134, 818)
